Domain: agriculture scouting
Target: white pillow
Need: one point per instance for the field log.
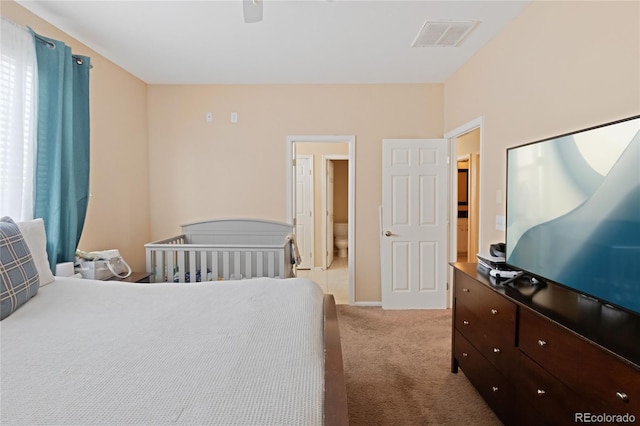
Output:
(34, 235)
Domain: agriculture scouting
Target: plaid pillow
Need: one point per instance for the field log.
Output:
(19, 280)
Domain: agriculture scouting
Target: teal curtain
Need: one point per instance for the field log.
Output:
(62, 158)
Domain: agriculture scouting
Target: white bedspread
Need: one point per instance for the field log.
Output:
(227, 353)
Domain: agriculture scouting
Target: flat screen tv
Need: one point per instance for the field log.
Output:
(573, 211)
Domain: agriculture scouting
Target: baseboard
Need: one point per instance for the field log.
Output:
(363, 304)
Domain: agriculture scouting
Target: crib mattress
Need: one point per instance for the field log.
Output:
(230, 353)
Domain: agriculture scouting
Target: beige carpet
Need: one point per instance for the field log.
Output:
(398, 370)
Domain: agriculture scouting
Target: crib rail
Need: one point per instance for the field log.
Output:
(174, 260)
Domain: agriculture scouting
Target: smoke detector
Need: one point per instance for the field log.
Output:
(443, 33)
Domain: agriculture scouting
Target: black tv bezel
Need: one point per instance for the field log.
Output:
(534, 274)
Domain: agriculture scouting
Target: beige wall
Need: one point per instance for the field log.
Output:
(203, 170)
(559, 66)
(118, 213)
(469, 143)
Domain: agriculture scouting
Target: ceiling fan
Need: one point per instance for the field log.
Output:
(252, 10)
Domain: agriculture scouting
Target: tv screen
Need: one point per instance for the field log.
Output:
(573, 211)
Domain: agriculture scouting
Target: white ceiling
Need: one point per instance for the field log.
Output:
(300, 41)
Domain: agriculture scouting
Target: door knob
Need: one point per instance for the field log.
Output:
(387, 233)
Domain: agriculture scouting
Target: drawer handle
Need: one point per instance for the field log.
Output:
(542, 343)
(466, 290)
(495, 388)
(464, 354)
(465, 322)
(494, 311)
(496, 350)
(623, 396)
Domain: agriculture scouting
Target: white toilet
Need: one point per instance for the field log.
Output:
(341, 238)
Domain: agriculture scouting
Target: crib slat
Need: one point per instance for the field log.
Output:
(204, 268)
(225, 265)
(157, 262)
(271, 264)
(192, 266)
(215, 269)
(170, 266)
(181, 268)
(236, 266)
(259, 265)
(247, 264)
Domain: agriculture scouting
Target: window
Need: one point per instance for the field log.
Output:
(17, 121)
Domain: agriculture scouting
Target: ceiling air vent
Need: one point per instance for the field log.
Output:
(443, 33)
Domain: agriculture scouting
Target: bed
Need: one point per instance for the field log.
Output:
(261, 351)
(224, 249)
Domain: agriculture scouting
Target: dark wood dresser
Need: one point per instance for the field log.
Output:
(545, 355)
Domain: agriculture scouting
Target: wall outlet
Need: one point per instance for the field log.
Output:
(501, 223)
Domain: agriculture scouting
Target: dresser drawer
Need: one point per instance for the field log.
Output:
(497, 313)
(490, 383)
(498, 348)
(466, 288)
(492, 309)
(553, 347)
(615, 388)
(551, 402)
(467, 323)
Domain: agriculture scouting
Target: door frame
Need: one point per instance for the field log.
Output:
(477, 123)
(348, 139)
(325, 159)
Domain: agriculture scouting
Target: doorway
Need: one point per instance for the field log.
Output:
(326, 150)
(468, 166)
(335, 201)
(470, 138)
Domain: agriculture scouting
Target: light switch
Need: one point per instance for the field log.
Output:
(234, 117)
(209, 117)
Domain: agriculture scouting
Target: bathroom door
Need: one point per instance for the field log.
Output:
(414, 230)
(304, 209)
(329, 214)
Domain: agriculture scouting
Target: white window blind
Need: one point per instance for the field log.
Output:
(17, 121)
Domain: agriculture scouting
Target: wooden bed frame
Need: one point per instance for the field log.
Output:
(335, 392)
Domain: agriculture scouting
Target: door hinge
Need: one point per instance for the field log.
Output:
(448, 160)
(293, 162)
(447, 286)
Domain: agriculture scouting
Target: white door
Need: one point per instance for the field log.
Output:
(329, 214)
(414, 223)
(304, 209)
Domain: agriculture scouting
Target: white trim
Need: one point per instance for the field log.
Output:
(366, 304)
(477, 123)
(351, 140)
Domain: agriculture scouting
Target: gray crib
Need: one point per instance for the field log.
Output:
(224, 249)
